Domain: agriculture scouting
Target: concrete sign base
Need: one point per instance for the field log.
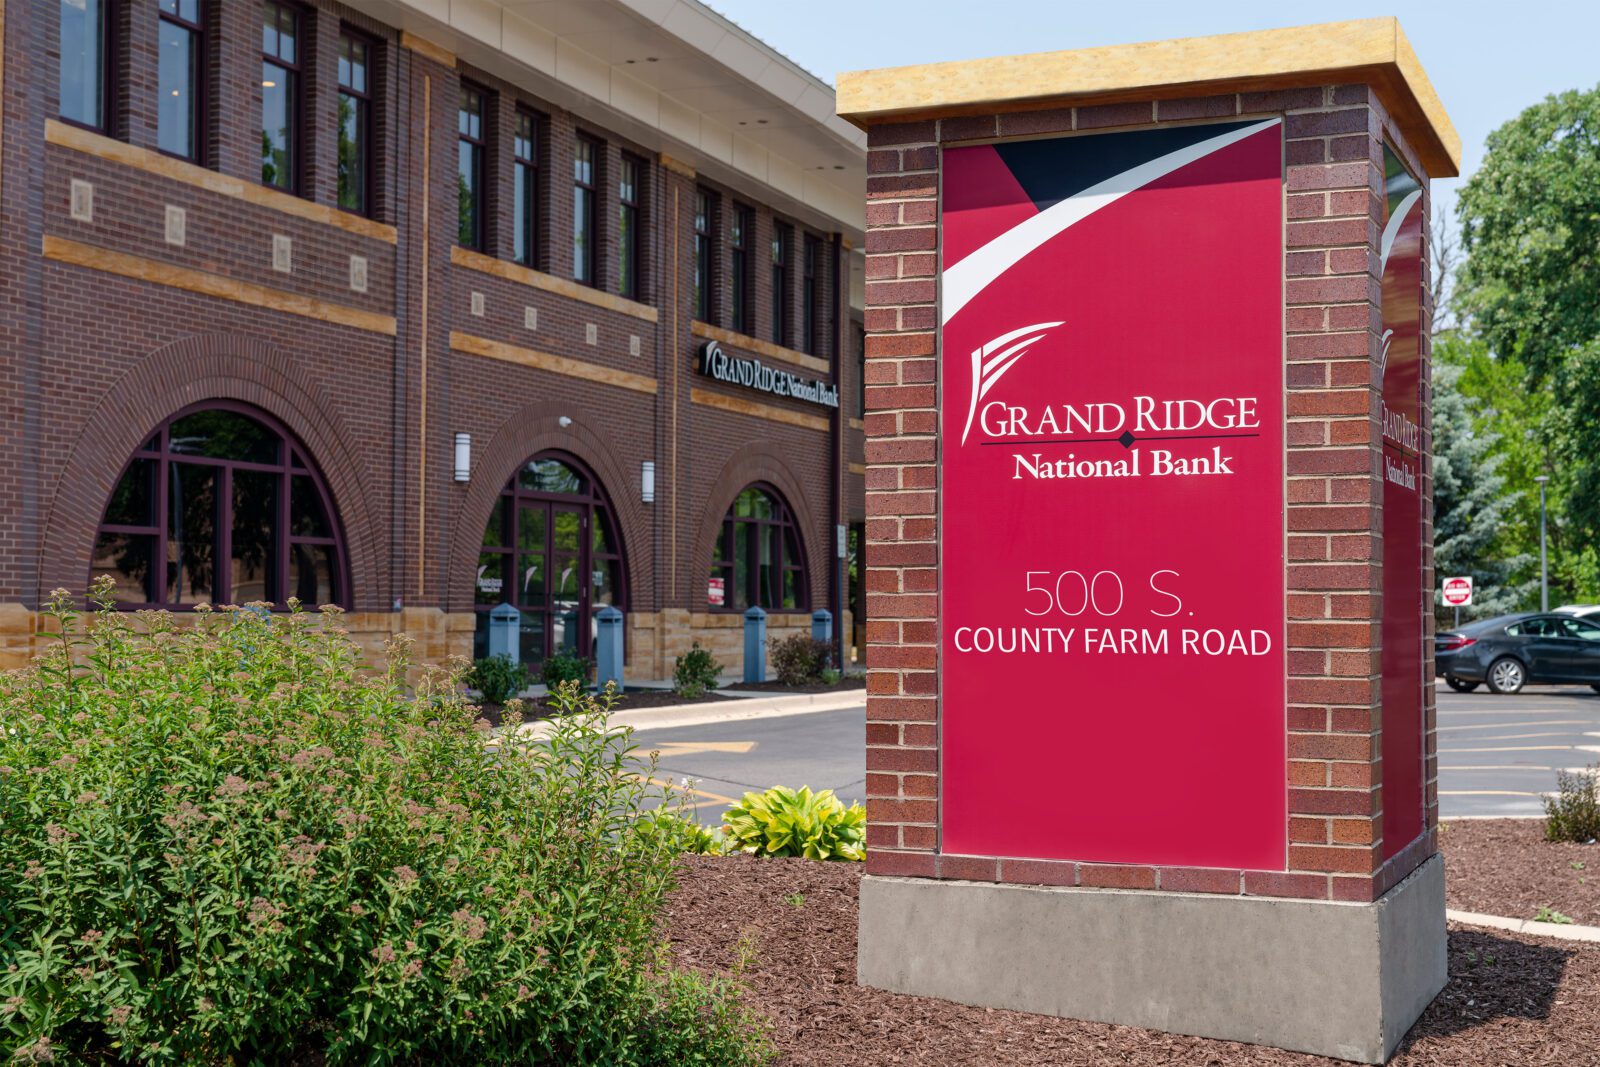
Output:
(1334, 979)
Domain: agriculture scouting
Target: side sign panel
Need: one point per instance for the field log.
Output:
(1403, 603)
(1113, 486)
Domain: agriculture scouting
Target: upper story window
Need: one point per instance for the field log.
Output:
(85, 28)
(585, 165)
(628, 177)
(808, 296)
(280, 96)
(525, 192)
(780, 284)
(739, 258)
(469, 168)
(702, 255)
(355, 124)
(178, 78)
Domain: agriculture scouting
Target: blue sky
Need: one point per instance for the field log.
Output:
(1488, 61)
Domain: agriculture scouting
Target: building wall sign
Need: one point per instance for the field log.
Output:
(1112, 613)
(753, 374)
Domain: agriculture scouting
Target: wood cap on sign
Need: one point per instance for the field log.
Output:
(1371, 51)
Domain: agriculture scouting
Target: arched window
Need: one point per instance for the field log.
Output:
(550, 550)
(221, 505)
(758, 559)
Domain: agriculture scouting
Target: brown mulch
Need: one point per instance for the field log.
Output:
(1506, 867)
(1511, 999)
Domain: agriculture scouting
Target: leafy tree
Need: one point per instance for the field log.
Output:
(1471, 502)
(1530, 223)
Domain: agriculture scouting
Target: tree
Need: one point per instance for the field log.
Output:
(1530, 226)
(1471, 503)
(1530, 223)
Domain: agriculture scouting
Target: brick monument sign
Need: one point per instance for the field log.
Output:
(1149, 525)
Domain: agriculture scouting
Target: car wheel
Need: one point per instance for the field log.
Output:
(1507, 676)
(1466, 687)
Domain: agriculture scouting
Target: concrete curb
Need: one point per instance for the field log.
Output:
(718, 711)
(1562, 931)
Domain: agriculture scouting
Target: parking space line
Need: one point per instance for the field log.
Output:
(1498, 725)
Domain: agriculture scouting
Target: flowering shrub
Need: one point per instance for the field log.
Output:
(800, 659)
(225, 842)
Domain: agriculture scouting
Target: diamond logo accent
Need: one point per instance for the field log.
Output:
(1127, 439)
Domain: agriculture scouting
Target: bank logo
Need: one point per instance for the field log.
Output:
(992, 360)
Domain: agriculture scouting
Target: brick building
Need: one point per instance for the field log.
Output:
(417, 314)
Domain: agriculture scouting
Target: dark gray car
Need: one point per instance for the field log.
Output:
(1511, 651)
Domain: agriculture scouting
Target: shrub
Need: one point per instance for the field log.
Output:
(695, 672)
(566, 667)
(1573, 813)
(800, 659)
(786, 822)
(498, 678)
(831, 677)
(687, 834)
(224, 842)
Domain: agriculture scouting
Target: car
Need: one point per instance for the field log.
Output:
(1582, 611)
(1511, 651)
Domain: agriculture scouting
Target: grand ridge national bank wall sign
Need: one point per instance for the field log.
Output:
(1112, 618)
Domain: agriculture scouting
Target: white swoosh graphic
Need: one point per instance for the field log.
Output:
(988, 364)
(1392, 230)
(964, 281)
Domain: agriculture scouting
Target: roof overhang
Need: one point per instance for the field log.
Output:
(1371, 51)
(672, 76)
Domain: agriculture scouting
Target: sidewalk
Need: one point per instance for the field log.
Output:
(746, 705)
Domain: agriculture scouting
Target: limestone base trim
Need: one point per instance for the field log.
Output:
(1334, 979)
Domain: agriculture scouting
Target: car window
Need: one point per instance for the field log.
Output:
(1540, 627)
(1580, 628)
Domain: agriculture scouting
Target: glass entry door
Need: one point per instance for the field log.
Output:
(549, 550)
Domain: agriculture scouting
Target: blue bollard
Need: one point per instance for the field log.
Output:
(822, 625)
(504, 622)
(608, 647)
(755, 645)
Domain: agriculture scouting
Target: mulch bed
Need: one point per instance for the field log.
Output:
(1511, 999)
(1506, 867)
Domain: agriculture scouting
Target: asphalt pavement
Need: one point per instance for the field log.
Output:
(1498, 755)
(723, 761)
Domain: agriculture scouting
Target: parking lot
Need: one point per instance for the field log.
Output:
(1498, 755)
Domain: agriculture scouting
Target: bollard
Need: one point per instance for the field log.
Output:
(822, 625)
(755, 645)
(608, 647)
(504, 622)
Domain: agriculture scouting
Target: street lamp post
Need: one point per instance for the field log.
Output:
(1544, 574)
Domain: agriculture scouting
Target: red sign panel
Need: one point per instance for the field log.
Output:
(1404, 604)
(1457, 592)
(1112, 614)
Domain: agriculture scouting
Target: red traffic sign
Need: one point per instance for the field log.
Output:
(1458, 592)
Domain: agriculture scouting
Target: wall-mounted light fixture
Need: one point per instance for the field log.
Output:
(563, 422)
(647, 481)
(463, 457)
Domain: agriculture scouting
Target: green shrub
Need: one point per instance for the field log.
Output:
(498, 678)
(800, 659)
(695, 672)
(687, 834)
(1573, 814)
(566, 667)
(225, 842)
(831, 677)
(784, 822)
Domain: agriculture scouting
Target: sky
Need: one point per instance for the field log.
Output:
(1487, 61)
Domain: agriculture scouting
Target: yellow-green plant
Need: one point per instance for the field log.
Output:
(224, 841)
(790, 822)
(686, 833)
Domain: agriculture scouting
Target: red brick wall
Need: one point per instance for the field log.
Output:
(92, 361)
(1334, 137)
